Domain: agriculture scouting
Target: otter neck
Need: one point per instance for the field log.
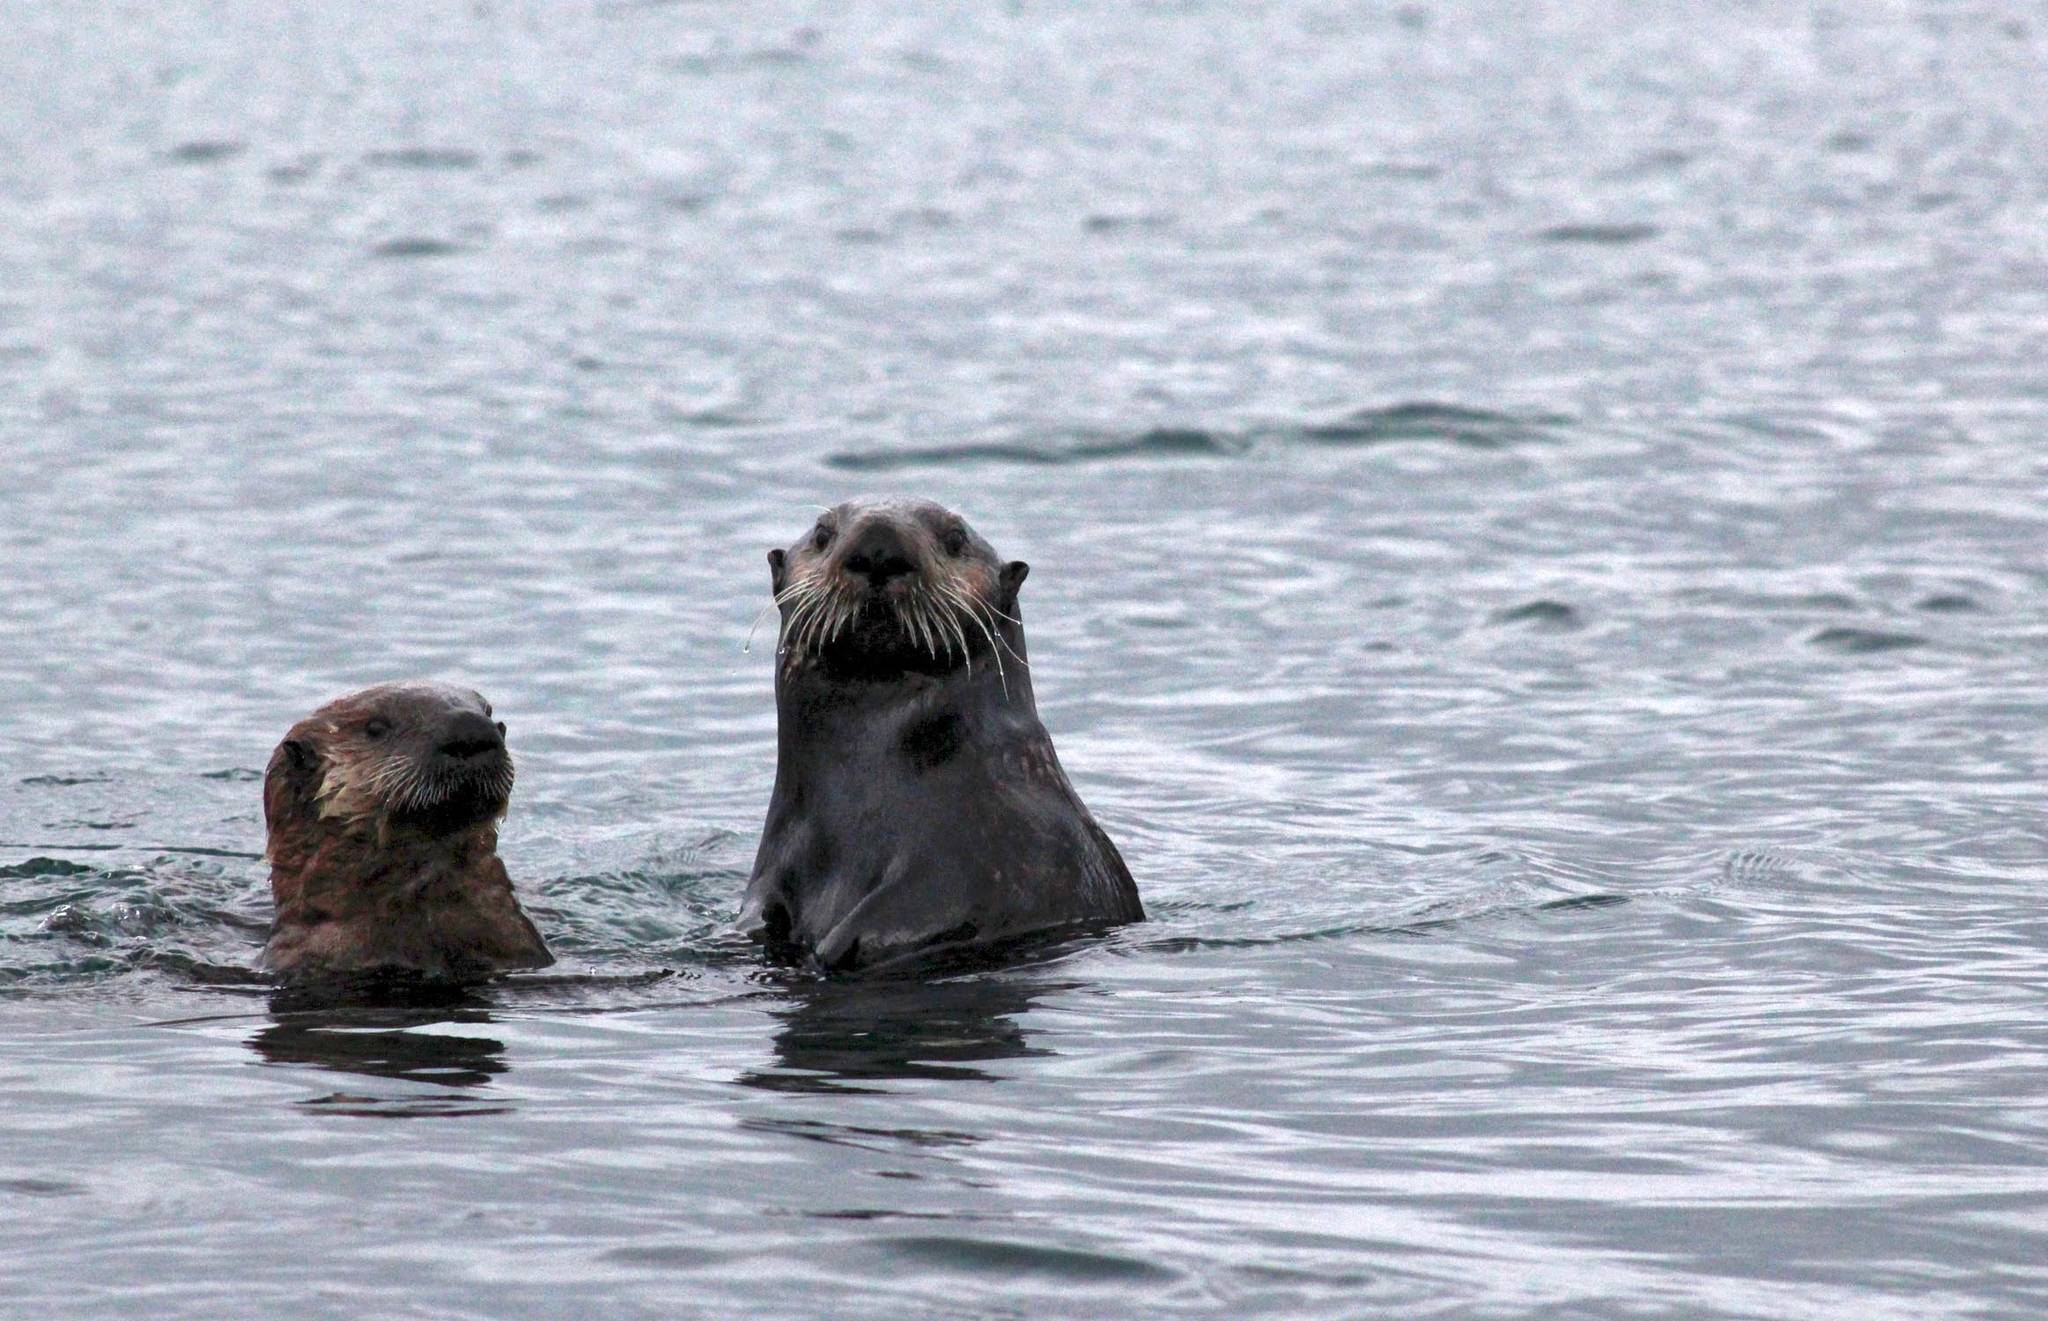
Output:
(376, 858)
(820, 716)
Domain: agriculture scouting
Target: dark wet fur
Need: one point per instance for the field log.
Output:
(919, 808)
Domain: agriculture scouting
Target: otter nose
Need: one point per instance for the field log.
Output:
(470, 735)
(879, 555)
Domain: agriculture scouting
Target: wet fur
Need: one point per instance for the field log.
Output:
(918, 803)
(380, 861)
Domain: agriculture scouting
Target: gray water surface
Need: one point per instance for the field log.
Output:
(1538, 521)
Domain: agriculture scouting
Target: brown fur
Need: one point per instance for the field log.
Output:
(382, 859)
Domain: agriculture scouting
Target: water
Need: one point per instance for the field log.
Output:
(1537, 523)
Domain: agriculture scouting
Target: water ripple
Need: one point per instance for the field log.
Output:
(1537, 563)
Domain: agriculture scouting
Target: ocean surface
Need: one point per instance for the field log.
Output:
(1539, 518)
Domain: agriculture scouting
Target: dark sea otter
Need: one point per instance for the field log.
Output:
(383, 811)
(918, 804)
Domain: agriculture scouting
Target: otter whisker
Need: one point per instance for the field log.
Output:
(1002, 643)
(790, 629)
(747, 647)
(818, 628)
(389, 779)
(925, 625)
(415, 796)
(811, 619)
(908, 619)
(956, 637)
(378, 780)
(993, 611)
(823, 628)
(775, 602)
(995, 614)
(995, 648)
(801, 597)
(792, 632)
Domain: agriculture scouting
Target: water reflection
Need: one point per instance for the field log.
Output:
(842, 1036)
(402, 1042)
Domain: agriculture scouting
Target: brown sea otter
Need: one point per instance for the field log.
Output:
(383, 811)
(918, 804)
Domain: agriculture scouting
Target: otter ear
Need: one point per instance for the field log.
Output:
(1013, 577)
(288, 784)
(776, 572)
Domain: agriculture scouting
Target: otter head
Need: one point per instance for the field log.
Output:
(420, 759)
(880, 589)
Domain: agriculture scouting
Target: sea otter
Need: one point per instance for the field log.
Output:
(918, 803)
(383, 809)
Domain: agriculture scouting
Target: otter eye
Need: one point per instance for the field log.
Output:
(954, 539)
(487, 710)
(822, 536)
(377, 727)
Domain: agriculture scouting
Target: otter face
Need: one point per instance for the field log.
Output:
(407, 756)
(882, 588)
